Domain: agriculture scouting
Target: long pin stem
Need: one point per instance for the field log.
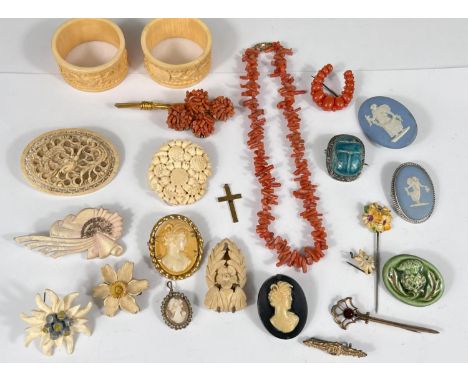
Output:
(144, 105)
(330, 90)
(411, 328)
(377, 271)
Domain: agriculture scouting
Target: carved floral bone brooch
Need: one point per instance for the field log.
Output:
(226, 275)
(95, 230)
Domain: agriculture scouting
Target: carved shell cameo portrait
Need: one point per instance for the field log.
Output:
(179, 172)
(282, 306)
(176, 309)
(69, 162)
(176, 247)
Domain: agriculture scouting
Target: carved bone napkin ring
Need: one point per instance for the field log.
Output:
(69, 162)
(226, 275)
(181, 75)
(97, 78)
(95, 230)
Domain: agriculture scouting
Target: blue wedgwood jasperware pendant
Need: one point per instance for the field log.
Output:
(413, 193)
(345, 157)
(387, 122)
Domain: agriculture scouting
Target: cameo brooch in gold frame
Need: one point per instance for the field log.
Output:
(176, 309)
(69, 162)
(176, 247)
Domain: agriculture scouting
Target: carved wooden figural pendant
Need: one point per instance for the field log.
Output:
(226, 276)
(179, 172)
(413, 194)
(176, 309)
(95, 230)
(69, 162)
(282, 306)
(413, 280)
(345, 157)
(176, 247)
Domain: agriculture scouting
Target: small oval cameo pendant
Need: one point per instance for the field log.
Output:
(282, 307)
(176, 309)
(345, 157)
(413, 193)
(387, 122)
(413, 280)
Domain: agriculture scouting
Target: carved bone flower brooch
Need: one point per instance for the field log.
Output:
(56, 324)
(119, 289)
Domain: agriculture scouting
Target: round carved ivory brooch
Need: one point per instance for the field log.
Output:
(176, 247)
(413, 280)
(179, 172)
(282, 307)
(69, 162)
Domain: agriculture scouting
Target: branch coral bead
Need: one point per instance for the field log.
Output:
(328, 102)
(298, 258)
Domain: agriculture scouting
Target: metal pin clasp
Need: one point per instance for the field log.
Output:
(262, 46)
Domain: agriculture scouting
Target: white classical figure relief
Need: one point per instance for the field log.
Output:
(382, 116)
(413, 190)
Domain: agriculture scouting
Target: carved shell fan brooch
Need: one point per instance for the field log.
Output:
(93, 230)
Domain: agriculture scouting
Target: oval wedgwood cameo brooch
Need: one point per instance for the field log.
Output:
(413, 194)
(92, 230)
(69, 162)
(413, 280)
(176, 309)
(345, 157)
(176, 247)
(387, 122)
(179, 172)
(282, 306)
(226, 276)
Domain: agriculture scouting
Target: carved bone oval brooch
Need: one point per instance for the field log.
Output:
(226, 276)
(95, 230)
(69, 162)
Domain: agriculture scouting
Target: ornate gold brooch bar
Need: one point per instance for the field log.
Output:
(334, 348)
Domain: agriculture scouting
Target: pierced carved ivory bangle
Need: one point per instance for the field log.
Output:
(96, 78)
(182, 75)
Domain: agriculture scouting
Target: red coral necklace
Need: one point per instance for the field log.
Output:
(263, 170)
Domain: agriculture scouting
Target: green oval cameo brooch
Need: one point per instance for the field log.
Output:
(413, 280)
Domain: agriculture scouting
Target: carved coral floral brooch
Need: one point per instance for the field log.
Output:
(119, 289)
(57, 323)
(198, 113)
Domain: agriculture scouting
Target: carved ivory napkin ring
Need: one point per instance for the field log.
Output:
(176, 309)
(181, 75)
(176, 247)
(226, 275)
(97, 78)
(179, 172)
(282, 306)
(95, 230)
(69, 162)
(119, 289)
(56, 324)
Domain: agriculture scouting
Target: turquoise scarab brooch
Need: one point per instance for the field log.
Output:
(345, 157)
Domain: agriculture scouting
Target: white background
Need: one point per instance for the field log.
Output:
(421, 63)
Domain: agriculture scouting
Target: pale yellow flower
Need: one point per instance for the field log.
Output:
(56, 324)
(119, 289)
